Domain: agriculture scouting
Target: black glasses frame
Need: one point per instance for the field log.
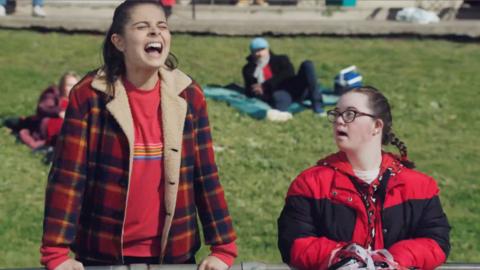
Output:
(332, 115)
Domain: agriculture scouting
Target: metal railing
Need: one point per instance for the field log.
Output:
(240, 266)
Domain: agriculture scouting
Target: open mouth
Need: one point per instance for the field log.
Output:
(154, 48)
(341, 133)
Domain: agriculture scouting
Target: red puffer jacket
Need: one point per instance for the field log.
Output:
(327, 206)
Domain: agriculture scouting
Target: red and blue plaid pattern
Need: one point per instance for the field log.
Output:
(87, 186)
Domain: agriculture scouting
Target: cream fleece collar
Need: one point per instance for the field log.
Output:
(173, 81)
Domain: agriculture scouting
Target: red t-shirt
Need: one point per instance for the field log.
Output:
(145, 212)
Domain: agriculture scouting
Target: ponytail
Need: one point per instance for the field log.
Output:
(402, 148)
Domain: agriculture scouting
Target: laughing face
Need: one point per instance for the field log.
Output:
(363, 131)
(145, 42)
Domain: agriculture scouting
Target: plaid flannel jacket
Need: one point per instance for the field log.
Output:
(87, 187)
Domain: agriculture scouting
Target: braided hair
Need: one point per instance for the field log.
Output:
(381, 109)
(114, 63)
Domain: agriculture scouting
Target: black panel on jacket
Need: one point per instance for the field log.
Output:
(304, 217)
(409, 220)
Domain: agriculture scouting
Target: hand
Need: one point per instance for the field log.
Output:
(257, 89)
(382, 259)
(350, 257)
(212, 263)
(70, 264)
(61, 114)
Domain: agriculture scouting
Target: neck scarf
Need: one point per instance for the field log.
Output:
(261, 63)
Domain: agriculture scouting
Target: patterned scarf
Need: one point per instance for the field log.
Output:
(261, 63)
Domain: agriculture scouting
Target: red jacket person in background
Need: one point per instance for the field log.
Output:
(41, 129)
(362, 207)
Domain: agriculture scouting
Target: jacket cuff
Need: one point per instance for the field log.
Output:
(53, 256)
(226, 253)
(401, 258)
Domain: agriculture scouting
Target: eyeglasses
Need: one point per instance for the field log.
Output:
(348, 116)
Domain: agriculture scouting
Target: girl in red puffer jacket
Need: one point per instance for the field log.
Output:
(363, 208)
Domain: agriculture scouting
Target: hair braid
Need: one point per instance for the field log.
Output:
(380, 107)
(402, 148)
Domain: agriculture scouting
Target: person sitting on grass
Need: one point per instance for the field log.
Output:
(41, 129)
(363, 208)
(272, 78)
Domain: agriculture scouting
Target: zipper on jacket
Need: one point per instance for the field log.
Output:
(364, 192)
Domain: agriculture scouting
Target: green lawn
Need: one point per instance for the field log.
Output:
(432, 84)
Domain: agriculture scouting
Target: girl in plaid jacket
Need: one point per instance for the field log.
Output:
(134, 164)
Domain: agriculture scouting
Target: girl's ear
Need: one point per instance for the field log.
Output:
(378, 126)
(118, 42)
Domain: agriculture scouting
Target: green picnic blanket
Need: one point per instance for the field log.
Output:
(254, 106)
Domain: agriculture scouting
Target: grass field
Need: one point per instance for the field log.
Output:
(432, 84)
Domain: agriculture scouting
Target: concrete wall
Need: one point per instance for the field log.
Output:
(361, 4)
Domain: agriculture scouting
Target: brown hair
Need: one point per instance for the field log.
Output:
(378, 103)
(114, 65)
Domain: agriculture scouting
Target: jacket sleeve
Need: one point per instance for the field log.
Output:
(66, 182)
(226, 253)
(299, 242)
(430, 246)
(284, 71)
(249, 79)
(209, 195)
